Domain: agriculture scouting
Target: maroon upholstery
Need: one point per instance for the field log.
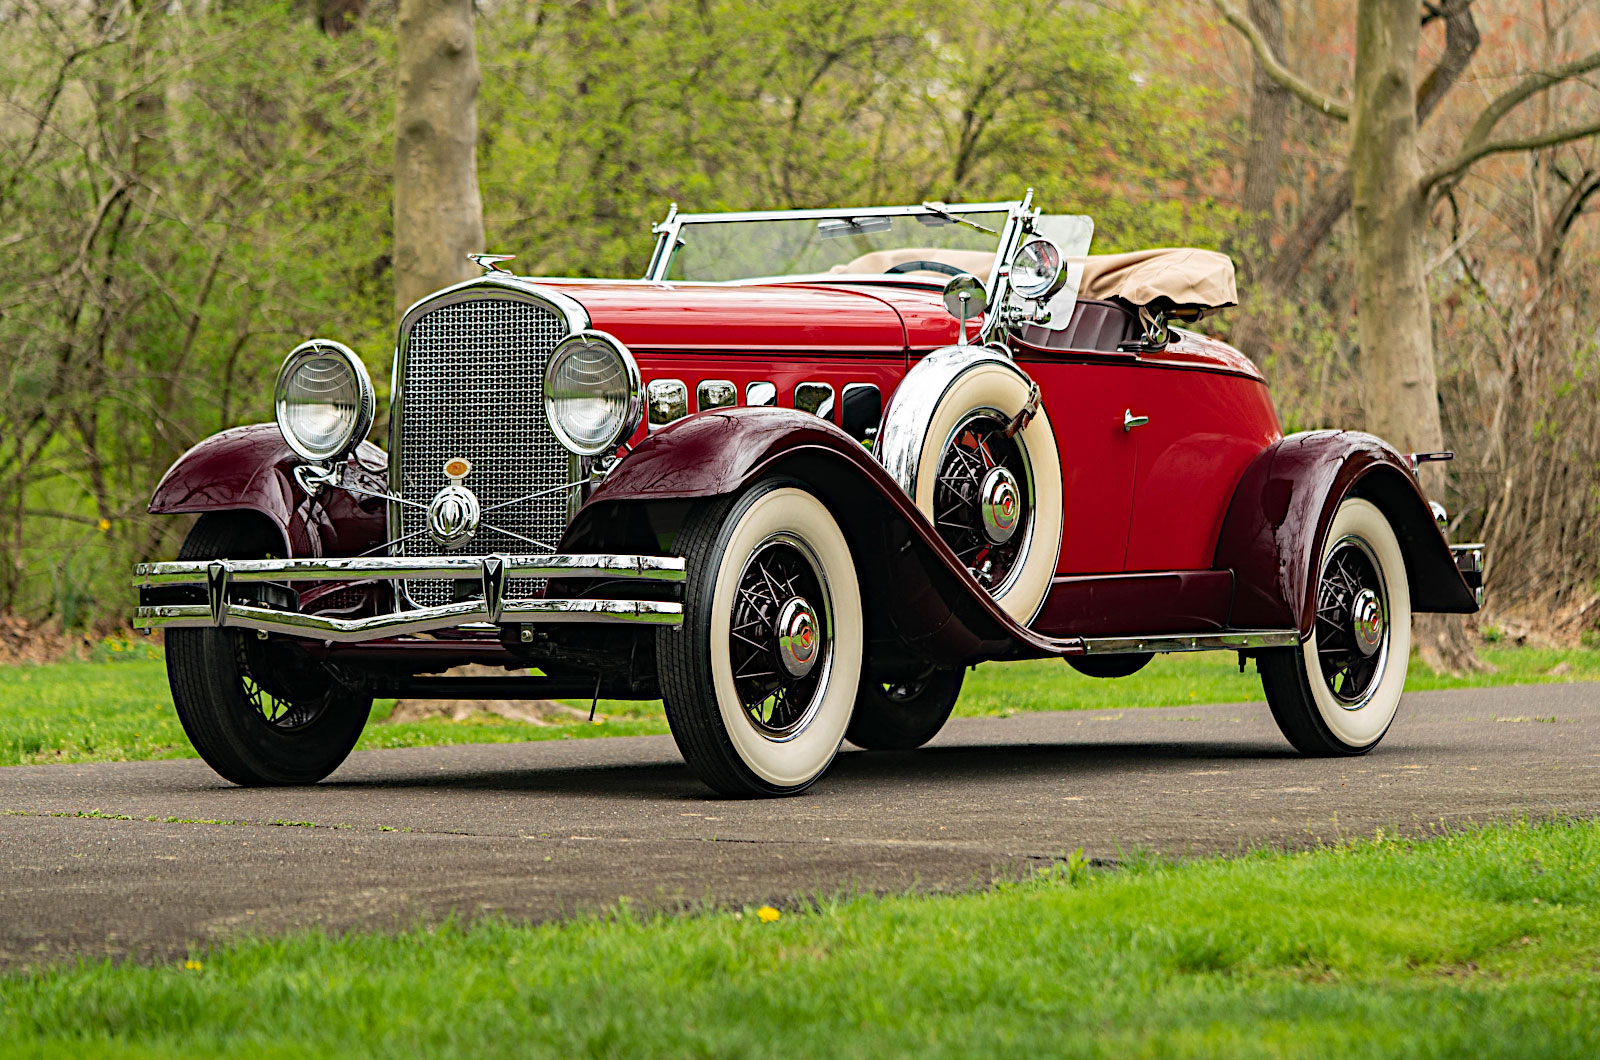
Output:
(1095, 325)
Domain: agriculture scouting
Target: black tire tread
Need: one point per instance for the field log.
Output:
(882, 724)
(201, 666)
(683, 661)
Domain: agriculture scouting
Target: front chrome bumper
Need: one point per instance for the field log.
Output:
(217, 577)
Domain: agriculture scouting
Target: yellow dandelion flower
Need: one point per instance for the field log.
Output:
(104, 525)
(768, 914)
(193, 966)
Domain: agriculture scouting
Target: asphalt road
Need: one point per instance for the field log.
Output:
(550, 829)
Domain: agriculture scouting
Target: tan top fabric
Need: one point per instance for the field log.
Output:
(1199, 281)
(977, 262)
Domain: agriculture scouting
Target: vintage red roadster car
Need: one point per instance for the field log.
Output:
(793, 482)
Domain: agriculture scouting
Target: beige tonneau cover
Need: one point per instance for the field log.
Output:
(1186, 282)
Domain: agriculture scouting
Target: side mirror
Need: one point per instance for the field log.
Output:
(965, 298)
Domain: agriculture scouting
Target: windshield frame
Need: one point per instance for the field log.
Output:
(1019, 214)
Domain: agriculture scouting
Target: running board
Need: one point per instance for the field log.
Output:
(1243, 640)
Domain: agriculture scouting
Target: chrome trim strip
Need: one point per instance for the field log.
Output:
(1016, 209)
(1174, 642)
(845, 211)
(241, 571)
(419, 620)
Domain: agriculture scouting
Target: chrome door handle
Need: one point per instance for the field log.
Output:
(1130, 421)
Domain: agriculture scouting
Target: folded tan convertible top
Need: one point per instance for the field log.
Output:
(1190, 282)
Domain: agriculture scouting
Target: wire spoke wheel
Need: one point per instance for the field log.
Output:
(983, 498)
(1352, 621)
(779, 636)
(1337, 692)
(277, 706)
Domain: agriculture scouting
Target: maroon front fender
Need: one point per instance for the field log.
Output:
(251, 469)
(920, 596)
(1279, 516)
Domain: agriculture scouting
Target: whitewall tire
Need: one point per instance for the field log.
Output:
(760, 680)
(1337, 693)
(961, 439)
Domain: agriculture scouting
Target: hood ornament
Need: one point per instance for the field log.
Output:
(491, 262)
(454, 512)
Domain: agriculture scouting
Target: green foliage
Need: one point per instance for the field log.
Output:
(1478, 944)
(594, 118)
(183, 195)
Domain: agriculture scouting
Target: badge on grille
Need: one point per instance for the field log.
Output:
(454, 511)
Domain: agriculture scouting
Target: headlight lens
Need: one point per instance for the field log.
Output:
(324, 401)
(1037, 270)
(591, 393)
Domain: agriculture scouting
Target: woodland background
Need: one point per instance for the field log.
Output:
(189, 188)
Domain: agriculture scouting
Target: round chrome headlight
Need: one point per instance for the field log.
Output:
(591, 393)
(1038, 270)
(324, 400)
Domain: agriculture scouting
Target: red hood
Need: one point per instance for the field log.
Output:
(666, 316)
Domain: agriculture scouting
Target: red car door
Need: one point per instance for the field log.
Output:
(1085, 395)
(1206, 421)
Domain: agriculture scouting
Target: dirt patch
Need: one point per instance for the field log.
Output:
(24, 643)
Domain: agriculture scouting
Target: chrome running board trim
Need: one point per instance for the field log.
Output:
(1243, 640)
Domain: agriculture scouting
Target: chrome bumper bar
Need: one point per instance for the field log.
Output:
(492, 572)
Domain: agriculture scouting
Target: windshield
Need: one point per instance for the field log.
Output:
(925, 243)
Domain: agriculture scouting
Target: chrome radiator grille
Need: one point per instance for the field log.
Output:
(472, 386)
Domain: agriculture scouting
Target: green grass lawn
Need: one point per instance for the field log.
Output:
(1480, 944)
(117, 708)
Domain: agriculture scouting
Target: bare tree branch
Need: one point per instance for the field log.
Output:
(1519, 93)
(1461, 40)
(1302, 90)
(1470, 156)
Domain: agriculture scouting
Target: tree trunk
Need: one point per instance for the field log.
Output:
(438, 215)
(1400, 392)
(338, 17)
(1401, 395)
(1269, 109)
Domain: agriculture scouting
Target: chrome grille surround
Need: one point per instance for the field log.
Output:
(469, 382)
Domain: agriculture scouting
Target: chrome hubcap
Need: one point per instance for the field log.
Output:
(1352, 622)
(982, 498)
(1001, 505)
(779, 636)
(798, 639)
(1366, 616)
(453, 516)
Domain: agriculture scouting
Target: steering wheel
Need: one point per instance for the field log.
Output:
(924, 266)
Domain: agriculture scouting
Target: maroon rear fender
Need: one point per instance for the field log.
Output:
(1279, 516)
(252, 469)
(921, 599)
